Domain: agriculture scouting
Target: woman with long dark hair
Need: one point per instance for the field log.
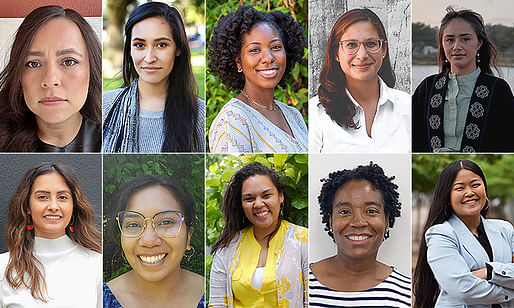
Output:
(464, 108)
(357, 109)
(50, 90)
(54, 257)
(465, 259)
(157, 109)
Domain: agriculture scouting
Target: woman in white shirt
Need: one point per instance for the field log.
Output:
(356, 109)
(54, 257)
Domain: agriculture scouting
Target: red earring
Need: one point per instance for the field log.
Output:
(30, 227)
(72, 229)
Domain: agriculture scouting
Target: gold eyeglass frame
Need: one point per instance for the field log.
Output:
(146, 224)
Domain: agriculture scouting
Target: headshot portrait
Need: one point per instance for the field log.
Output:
(359, 231)
(359, 80)
(153, 230)
(462, 67)
(159, 106)
(50, 78)
(50, 221)
(257, 77)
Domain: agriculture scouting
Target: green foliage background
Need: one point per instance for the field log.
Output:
(295, 94)
(220, 169)
(121, 168)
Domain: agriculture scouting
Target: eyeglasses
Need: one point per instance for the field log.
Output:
(351, 47)
(165, 224)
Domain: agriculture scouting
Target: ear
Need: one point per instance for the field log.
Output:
(384, 49)
(28, 212)
(337, 58)
(189, 234)
(479, 44)
(238, 63)
(177, 53)
(281, 197)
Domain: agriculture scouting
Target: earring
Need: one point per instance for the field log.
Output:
(30, 225)
(191, 255)
(72, 229)
(478, 57)
(386, 234)
(239, 70)
(445, 60)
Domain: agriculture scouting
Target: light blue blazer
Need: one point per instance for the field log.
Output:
(453, 252)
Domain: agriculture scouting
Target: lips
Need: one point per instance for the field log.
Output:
(470, 202)
(152, 259)
(52, 101)
(262, 213)
(150, 69)
(53, 217)
(358, 237)
(269, 72)
(362, 66)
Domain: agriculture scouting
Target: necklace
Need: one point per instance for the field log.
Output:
(273, 108)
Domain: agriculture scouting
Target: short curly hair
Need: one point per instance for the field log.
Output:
(225, 44)
(372, 173)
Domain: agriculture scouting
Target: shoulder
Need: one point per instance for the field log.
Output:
(427, 83)
(402, 101)
(442, 228)
(498, 224)
(234, 112)
(290, 109)
(108, 99)
(4, 260)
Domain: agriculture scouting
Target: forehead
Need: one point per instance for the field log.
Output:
(152, 27)
(257, 182)
(458, 26)
(261, 31)
(358, 192)
(59, 33)
(50, 182)
(465, 175)
(360, 31)
(152, 200)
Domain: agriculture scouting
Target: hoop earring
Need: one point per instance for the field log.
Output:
(386, 234)
(191, 255)
(239, 70)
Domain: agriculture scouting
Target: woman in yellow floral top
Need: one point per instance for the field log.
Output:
(260, 260)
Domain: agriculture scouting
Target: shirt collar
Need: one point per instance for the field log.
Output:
(383, 98)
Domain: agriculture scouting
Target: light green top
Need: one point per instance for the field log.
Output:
(457, 100)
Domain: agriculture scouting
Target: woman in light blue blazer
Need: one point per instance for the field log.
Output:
(465, 260)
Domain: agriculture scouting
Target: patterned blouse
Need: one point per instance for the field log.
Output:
(239, 128)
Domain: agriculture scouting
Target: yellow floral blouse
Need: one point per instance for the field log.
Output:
(288, 252)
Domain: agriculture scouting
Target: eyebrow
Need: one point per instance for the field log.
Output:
(58, 53)
(462, 34)
(259, 43)
(472, 181)
(47, 192)
(262, 192)
(344, 203)
(157, 39)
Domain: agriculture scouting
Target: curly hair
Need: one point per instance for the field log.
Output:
(227, 37)
(372, 173)
(232, 207)
(23, 267)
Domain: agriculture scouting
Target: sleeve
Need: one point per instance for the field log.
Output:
(502, 274)
(229, 133)
(419, 138)
(305, 272)
(454, 276)
(315, 131)
(218, 283)
(200, 125)
(99, 283)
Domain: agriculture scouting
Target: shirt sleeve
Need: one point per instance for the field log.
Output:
(454, 276)
(229, 133)
(218, 283)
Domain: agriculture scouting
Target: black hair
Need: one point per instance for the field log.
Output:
(372, 173)
(226, 41)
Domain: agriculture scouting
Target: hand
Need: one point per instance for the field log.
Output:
(513, 258)
(480, 273)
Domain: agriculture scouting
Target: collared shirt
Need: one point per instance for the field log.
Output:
(390, 133)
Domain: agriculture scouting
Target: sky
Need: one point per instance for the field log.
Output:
(493, 11)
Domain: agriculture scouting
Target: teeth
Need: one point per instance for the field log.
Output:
(268, 72)
(358, 237)
(52, 217)
(261, 214)
(152, 259)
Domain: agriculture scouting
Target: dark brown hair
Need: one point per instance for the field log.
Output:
(18, 128)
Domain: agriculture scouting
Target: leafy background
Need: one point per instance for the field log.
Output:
(220, 169)
(295, 94)
(121, 168)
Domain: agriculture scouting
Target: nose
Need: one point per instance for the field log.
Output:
(362, 52)
(259, 202)
(149, 237)
(52, 206)
(150, 55)
(358, 220)
(267, 56)
(51, 77)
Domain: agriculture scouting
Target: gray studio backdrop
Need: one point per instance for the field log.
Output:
(13, 167)
(394, 14)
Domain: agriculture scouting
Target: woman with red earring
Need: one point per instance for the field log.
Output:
(52, 241)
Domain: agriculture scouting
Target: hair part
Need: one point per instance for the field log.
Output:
(23, 267)
(18, 125)
(181, 106)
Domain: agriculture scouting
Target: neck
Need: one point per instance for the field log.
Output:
(365, 92)
(261, 234)
(464, 70)
(152, 96)
(157, 289)
(472, 222)
(358, 268)
(59, 134)
(262, 96)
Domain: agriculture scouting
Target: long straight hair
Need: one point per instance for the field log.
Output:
(181, 106)
(23, 268)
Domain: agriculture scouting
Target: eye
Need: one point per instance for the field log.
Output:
(132, 224)
(138, 45)
(69, 62)
(465, 39)
(343, 212)
(371, 44)
(248, 199)
(254, 50)
(62, 197)
(351, 44)
(276, 47)
(449, 40)
(167, 222)
(33, 64)
(42, 197)
(372, 211)
(162, 45)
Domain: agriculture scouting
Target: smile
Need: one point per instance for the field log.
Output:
(362, 66)
(152, 259)
(150, 69)
(261, 214)
(470, 202)
(269, 73)
(52, 217)
(352, 237)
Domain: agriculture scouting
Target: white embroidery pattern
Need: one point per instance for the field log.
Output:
(472, 131)
(482, 91)
(468, 149)
(435, 143)
(476, 110)
(436, 100)
(440, 83)
(434, 121)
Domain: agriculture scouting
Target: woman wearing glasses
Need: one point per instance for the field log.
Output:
(156, 219)
(356, 109)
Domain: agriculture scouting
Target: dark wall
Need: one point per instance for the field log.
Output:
(14, 166)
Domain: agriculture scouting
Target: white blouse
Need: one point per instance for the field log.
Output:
(390, 133)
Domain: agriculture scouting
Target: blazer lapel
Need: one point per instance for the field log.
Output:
(501, 251)
(468, 241)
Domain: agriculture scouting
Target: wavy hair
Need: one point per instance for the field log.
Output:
(332, 90)
(425, 287)
(18, 127)
(23, 267)
(181, 107)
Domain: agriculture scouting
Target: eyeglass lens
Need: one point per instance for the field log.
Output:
(166, 224)
(352, 46)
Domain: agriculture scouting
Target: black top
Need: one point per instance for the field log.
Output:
(88, 139)
(484, 241)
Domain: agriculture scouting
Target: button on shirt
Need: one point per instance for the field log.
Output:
(390, 133)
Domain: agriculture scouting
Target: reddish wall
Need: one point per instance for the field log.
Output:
(21, 8)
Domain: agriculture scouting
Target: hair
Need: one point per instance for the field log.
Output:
(372, 173)
(425, 287)
(225, 44)
(173, 185)
(232, 207)
(18, 125)
(23, 267)
(487, 51)
(332, 90)
(181, 107)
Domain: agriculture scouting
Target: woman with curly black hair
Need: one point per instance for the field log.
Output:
(358, 208)
(253, 52)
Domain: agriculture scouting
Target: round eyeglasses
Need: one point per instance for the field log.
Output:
(351, 47)
(165, 224)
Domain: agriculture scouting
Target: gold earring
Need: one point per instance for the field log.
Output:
(191, 255)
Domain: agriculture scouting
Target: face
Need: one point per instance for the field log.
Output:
(153, 50)
(261, 202)
(154, 258)
(363, 65)
(50, 205)
(55, 77)
(358, 219)
(262, 58)
(468, 195)
(461, 44)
